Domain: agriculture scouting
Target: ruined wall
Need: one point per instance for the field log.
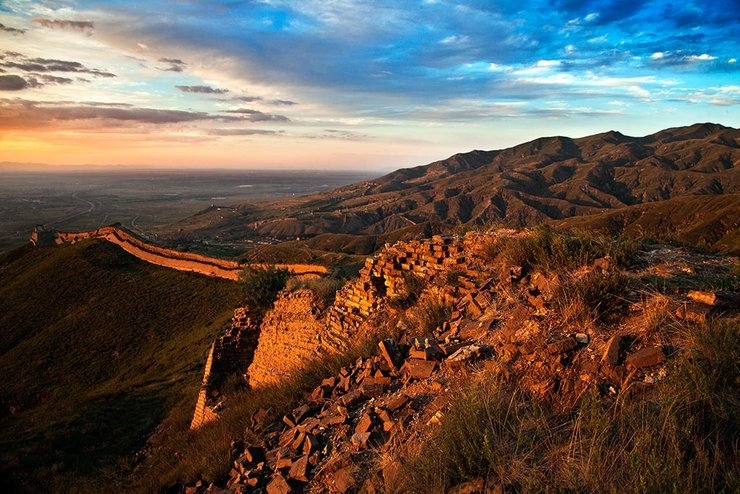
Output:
(291, 334)
(296, 330)
(203, 413)
(183, 261)
(385, 275)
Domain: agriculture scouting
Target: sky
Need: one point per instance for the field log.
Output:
(348, 84)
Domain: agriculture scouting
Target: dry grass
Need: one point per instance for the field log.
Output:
(684, 437)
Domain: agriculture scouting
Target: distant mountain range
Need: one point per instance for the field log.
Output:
(550, 178)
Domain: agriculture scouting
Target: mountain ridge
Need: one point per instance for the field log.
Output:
(546, 179)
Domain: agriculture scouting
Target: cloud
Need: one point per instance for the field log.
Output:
(85, 26)
(258, 116)
(202, 89)
(174, 64)
(283, 102)
(11, 30)
(242, 132)
(704, 57)
(23, 114)
(12, 83)
(20, 62)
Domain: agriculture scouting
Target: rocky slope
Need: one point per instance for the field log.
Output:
(556, 317)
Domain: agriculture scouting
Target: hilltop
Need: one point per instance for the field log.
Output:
(551, 178)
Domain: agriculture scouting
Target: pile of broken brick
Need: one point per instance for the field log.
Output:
(348, 416)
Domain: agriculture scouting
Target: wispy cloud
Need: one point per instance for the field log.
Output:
(11, 30)
(172, 64)
(202, 89)
(84, 26)
(258, 116)
(18, 61)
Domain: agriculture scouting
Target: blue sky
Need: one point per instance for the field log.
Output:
(380, 84)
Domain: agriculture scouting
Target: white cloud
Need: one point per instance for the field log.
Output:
(732, 60)
(591, 17)
(704, 57)
(657, 55)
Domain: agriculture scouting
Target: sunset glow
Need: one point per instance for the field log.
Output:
(350, 84)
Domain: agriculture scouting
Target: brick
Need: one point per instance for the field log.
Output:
(278, 485)
(647, 357)
(611, 351)
(419, 369)
(299, 469)
(562, 346)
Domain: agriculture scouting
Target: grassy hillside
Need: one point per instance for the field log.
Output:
(702, 221)
(96, 348)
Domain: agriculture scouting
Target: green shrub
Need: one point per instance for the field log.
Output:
(261, 286)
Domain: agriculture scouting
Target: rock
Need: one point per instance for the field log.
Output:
(343, 480)
(299, 469)
(582, 338)
(278, 485)
(254, 454)
(365, 424)
(561, 346)
(694, 312)
(391, 353)
(352, 398)
(646, 357)
(419, 369)
(397, 402)
(360, 439)
(720, 299)
(475, 486)
(463, 356)
(611, 352)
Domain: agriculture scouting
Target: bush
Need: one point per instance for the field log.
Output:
(261, 286)
(548, 250)
(324, 288)
(431, 313)
(413, 287)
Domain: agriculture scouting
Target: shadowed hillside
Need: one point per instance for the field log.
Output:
(100, 347)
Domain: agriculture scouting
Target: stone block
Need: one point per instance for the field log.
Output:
(611, 351)
(646, 357)
(562, 346)
(299, 469)
(365, 424)
(419, 369)
(278, 485)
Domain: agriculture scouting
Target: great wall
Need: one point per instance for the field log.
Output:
(169, 258)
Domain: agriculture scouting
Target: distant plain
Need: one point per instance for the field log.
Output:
(146, 202)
